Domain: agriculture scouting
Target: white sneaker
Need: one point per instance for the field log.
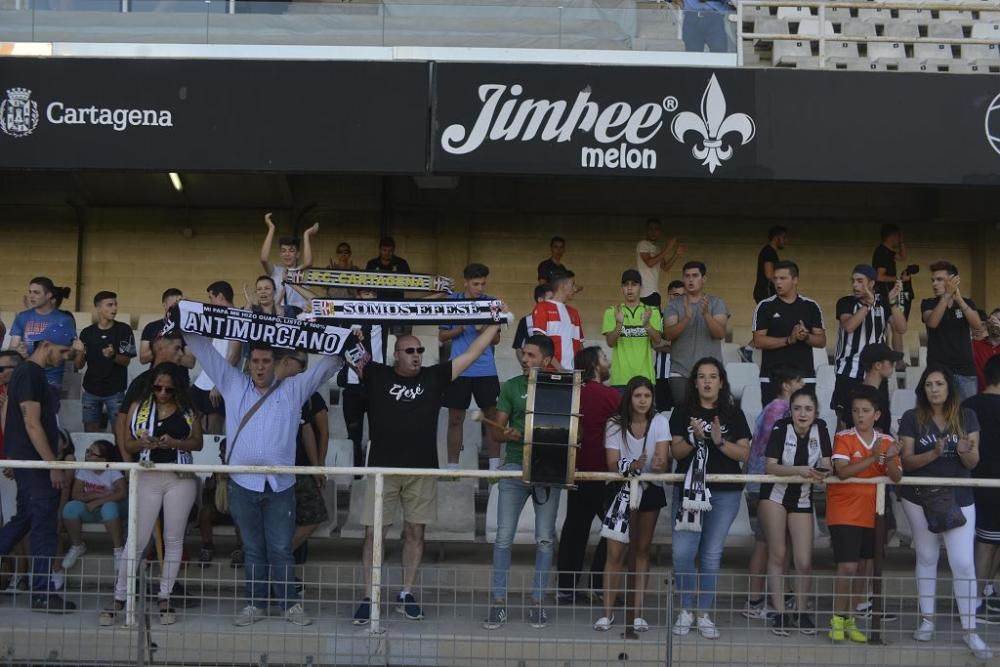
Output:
(604, 623)
(248, 616)
(707, 628)
(978, 646)
(684, 622)
(296, 615)
(57, 580)
(925, 632)
(640, 625)
(73, 555)
(759, 611)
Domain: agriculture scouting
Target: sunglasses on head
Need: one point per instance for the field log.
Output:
(413, 350)
(159, 389)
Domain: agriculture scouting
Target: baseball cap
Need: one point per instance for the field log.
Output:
(631, 275)
(56, 333)
(872, 354)
(867, 270)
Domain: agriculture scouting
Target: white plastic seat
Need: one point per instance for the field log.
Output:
(730, 353)
(794, 13)
(826, 380)
(751, 401)
(811, 27)
(901, 401)
(874, 15)
(352, 528)
(819, 357)
(525, 531)
(340, 454)
(741, 375)
(913, 374)
(937, 54)
(456, 513)
(922, 356)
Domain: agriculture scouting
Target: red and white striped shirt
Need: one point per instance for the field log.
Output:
(561, 323)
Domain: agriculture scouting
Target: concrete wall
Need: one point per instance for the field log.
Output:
(506, 223)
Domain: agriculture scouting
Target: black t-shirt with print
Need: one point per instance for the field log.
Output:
(777, 319)
(176, 427)
(949, 344)
(396, 265)
(885, 258)
(310, 409)
(403, 415)
(734, 428)
(104, 377)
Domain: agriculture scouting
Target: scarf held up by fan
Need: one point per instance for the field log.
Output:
(695, 496)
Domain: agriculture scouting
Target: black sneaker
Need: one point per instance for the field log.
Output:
(864, 610)
(364, 612)
(563, 599)
(407, 605)
(806, 625)
(993, 604)
(782, 625)
(236, 558)
(986, 615)
(206, 555)
(537, 617)
(51, 604)
(497, 617)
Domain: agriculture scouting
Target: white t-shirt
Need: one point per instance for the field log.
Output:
(659, 431)
(204, 382)
(650, 274)
(292, 298)
(98, 481)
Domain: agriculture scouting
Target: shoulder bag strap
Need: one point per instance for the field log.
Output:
(243, 422)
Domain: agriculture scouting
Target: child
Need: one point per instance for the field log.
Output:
(97, 497)
(850, 509)
(293, 257)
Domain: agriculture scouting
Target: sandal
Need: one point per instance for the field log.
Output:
(168, 615)
(107, 617)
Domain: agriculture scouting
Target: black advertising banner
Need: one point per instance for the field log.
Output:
(716, 123)
(233, 115)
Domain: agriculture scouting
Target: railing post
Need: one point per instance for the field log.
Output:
(822, 42)
(132, 555)
(739, 33)
(376, 592)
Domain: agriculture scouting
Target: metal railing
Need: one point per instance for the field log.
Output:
(376, 628)
(822, 17)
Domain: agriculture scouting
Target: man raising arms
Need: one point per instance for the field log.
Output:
(292, 258)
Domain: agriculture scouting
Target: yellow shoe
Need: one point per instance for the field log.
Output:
(836, 633)
(855, 635)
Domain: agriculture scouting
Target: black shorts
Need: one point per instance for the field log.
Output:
(841, 400)
(459, 393)
(310, 508)
(852, 543)
(653, 499)
(199, 397)
(987, 516)
(653, 300)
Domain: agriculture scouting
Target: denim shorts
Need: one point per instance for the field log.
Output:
(95, 407)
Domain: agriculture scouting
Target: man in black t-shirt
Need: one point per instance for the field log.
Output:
(542, 293)
(951, 319)
(767, 258)
(105, 348)
(149, 332)
(884, 260)
(552, 265)
(986, 405)
(786, 327)
(404, 403)
(388, 262)
(31, 433)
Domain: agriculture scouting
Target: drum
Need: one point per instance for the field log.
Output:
(551, 427)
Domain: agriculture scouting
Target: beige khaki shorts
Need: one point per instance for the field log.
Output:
(416, 495)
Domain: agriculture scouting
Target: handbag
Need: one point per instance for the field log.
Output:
(222, 483)
(940, 509)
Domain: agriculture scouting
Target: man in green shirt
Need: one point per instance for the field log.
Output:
(512, 493)
(631, 329)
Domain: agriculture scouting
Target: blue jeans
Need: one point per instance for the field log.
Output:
(37, 513)
(94, 407)
(707, 545)
(966, 386)
(266, 521)
(707, 28)
(512, 494)
(112, 510)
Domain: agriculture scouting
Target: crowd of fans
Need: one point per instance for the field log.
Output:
(662, 402)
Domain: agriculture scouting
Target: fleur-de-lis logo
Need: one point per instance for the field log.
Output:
(713, 125)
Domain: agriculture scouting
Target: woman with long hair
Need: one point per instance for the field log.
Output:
(710, 436)
(636, 441)
(163, 428)
(940, 438)
(798, 445)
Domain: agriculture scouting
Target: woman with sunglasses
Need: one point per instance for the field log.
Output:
(636, 441)
(710, 436)
(162, 429)
(343, 262)
(798, 445)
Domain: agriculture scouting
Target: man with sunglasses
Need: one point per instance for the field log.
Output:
(404, 401)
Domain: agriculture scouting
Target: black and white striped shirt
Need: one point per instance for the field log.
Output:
(849, 345)
(791, 449)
